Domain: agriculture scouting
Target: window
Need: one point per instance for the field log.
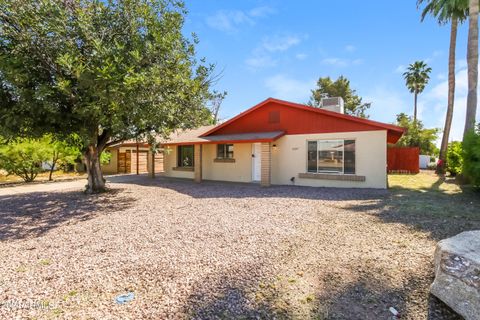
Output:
(185, 156)
(224, 151)
(331, 156)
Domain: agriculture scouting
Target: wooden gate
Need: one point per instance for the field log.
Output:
(142, 161)
(125, 162)
(159, 162)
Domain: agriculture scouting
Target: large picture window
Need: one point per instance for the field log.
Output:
(185, 156)
(331, 156)
(224, 151)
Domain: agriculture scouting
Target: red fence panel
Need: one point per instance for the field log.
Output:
(403, 159)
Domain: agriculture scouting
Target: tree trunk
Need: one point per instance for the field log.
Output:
(472, 61)
(415, 108)
(96, 182)
(52, 167)
(451, 97)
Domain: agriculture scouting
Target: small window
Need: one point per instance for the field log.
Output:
(224, 151)
(185, 156)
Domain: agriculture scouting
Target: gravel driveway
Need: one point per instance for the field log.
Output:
(210, 250)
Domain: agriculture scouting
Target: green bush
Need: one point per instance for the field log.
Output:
(471, 156)
(454, 158)
(23, 157)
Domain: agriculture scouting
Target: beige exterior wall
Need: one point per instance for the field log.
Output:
(239, 171)
(111, 168)
(289, 158)
(170, 162)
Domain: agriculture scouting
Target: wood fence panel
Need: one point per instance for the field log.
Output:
(403, 160)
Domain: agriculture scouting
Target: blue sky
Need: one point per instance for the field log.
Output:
(280, 48)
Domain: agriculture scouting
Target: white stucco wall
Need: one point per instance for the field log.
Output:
(170, 161)
(289, 159)
(239, 171)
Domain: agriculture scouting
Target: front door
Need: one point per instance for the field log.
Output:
(256, 161)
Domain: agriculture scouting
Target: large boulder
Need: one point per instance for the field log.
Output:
(457, 273)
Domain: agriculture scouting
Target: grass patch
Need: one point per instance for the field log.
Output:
(432, 203)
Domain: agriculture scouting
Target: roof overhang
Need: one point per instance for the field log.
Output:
(232, 138)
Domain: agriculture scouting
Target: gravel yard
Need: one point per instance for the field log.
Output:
(214, 250)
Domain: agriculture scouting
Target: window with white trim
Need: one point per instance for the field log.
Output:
(331, 156)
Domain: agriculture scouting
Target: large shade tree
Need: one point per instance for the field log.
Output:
(416, 79)
(472, 62)
(453, 12)
(104, 70)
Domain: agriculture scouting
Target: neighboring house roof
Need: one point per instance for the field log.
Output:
(129, 143)
(188, 138)
(293, 118)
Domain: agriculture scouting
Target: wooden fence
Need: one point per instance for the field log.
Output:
(403, 160)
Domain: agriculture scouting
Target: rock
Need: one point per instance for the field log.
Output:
(457, 274)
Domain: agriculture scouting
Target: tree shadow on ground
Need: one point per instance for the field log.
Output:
(368, 297)
(222, 189)
(371, 297)
(33, 214)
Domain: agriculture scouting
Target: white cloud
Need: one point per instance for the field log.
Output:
(350, 48)
(260, 61)
(262, 55)
(435, 102)
(261, 11)
(284, 87)
(339, 62)
(441, 76)
(230, 21)
(400, 69)
(386, 104)
(301, 56)
(280, 42)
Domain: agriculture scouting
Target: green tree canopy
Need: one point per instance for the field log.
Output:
(339, 88)
(24, 157)
(417, 136)
(104, 70)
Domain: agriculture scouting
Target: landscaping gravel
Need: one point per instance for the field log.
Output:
(210, 251)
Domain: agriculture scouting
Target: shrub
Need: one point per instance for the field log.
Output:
(454, 158)
(23, 158)
(471, 156)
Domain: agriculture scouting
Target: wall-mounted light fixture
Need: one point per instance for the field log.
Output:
(274, 147)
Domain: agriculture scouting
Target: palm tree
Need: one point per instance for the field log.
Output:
(453, 11)
(472, 62)
(416, 78)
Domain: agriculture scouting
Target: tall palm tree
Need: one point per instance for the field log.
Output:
(416, 78)
(472, 62)
(445, 11)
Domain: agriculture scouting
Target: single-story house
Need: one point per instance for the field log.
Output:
(284, 143)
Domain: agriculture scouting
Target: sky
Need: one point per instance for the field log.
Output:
(280, 48)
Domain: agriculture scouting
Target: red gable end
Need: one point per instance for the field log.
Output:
(278, 115)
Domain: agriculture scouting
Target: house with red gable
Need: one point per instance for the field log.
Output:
(284, 143)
